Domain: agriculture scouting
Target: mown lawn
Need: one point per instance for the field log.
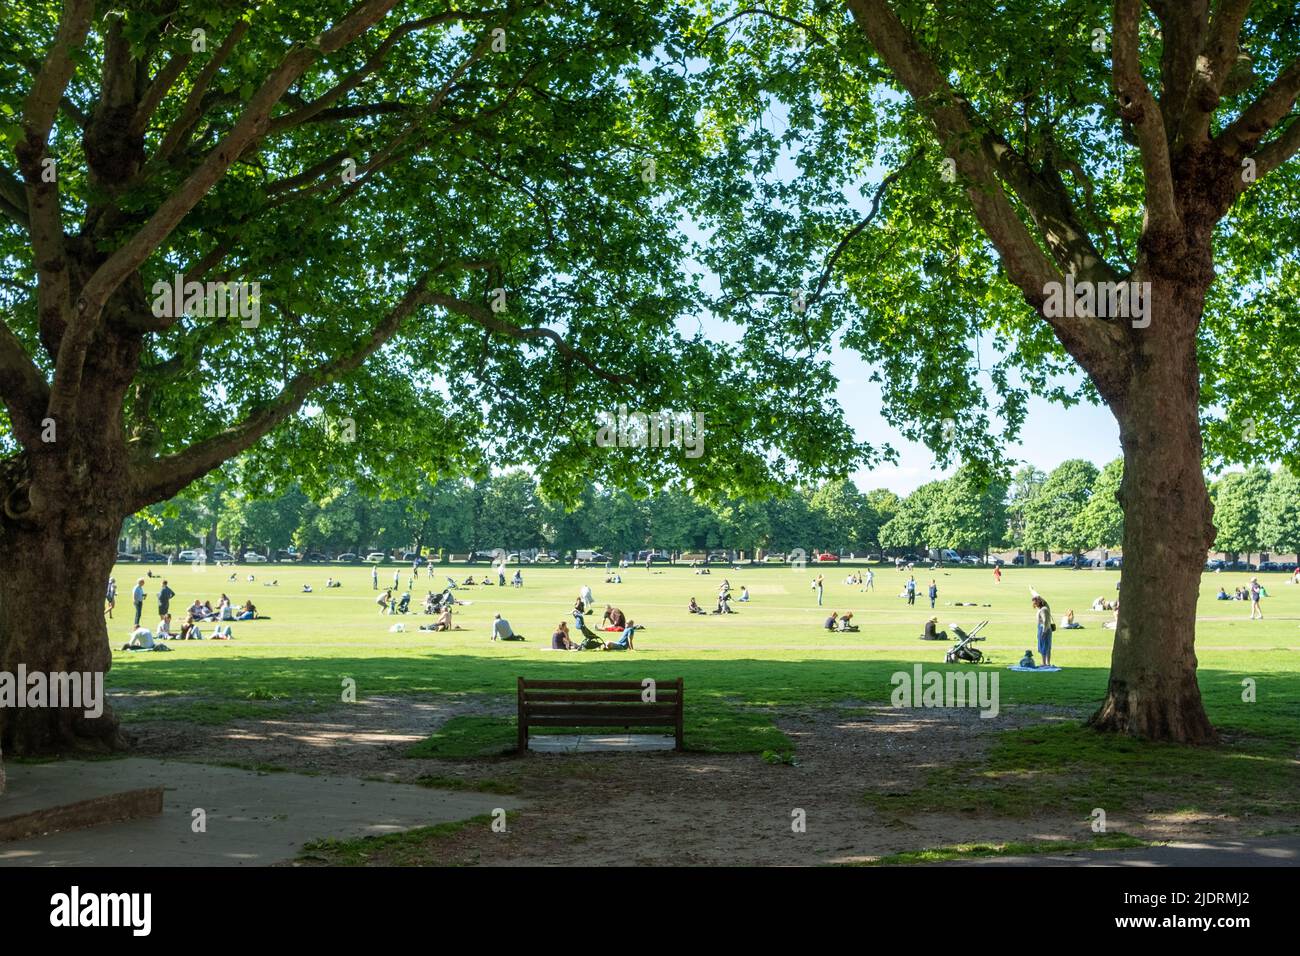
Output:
(741, 670)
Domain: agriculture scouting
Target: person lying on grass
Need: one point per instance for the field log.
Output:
(624, 643)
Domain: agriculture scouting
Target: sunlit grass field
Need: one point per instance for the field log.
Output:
(742, 671)
(772, 652)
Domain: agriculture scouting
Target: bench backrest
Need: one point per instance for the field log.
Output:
(599, 703)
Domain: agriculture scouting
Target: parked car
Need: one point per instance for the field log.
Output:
(153, 557)
(827, 558)
(346, 557)
(1275, 566)
(774, 559)
(1020, 559)
(544, 558)
(1239, 566)
(124, 557)
(720, 556)
(412, 556)
(1215, 564)
(315, 557)
(252, 557)
(376, 557)
(188, 555)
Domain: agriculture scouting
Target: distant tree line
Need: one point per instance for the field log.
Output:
(1072, 509)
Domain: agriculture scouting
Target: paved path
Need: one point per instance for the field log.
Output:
(1257, 851)
(252, 819)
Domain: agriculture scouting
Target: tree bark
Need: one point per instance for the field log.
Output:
(1167, 530)
(52, 585)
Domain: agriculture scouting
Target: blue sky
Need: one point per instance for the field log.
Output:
(1051, 434)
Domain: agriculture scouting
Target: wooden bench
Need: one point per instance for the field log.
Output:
(598, 703)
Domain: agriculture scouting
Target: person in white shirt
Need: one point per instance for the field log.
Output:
(141, 639)
(585, 595)
(164, 629)
(502, 631)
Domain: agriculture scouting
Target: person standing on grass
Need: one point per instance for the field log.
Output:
(138, 596)
(1256, 612)
(165, 595)
(1045, 628)
(585, 596)
(871, 581)
(374, 578)
(820, 585)
(397, 579)
(997, 574)
(110, 597)
(933, 593)
(911, 590)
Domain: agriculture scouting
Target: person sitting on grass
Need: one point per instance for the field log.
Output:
(1070, 624)
(694, 608)
(502, 631)
(1100, 604)
(1222, 595)
(164, 629)
(1028, 660)
(724, 603)
(444, 620)
(469, 582)
(831, 622)
(846, 623)
(744, 594)
(624, 643)
(141, 640)
(932, 632)
(614, 619)
(560, 639)
(248, 612)
(190, 630)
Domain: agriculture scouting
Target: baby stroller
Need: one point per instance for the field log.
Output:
(964, 651)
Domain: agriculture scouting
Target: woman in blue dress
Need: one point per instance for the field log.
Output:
(1045, 628)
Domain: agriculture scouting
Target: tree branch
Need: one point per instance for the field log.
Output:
(1255, 122)
(128, 257)
(1214, 66)
(160, 478)
(1138, 106)
(488, 320)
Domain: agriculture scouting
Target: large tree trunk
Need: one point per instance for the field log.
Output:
(1167, 529)
(52, 584)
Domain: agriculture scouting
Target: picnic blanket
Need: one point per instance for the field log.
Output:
(1033, 670)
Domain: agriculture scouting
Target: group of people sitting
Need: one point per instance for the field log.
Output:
(201, 611)
(840, 622)
(1101, 604)
(1239, 594)
(562, 640)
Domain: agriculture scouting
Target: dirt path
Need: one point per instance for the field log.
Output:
(679, 808)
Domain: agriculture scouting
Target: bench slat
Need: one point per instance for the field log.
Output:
(662, 695)
(588, 684)
(601, 722)
(578, 703)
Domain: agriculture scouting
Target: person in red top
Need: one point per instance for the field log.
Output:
(997, 574)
